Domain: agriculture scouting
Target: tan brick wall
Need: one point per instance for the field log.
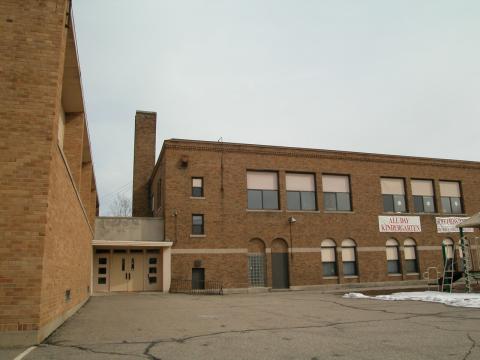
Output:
(31, 39)
(73, 144)
(44, 235)
(228, 223)
(143, 162)
(68, 251)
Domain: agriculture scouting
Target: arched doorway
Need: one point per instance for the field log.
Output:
(256, 263)
(280, 264)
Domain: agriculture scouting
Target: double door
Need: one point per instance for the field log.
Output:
(135, 270)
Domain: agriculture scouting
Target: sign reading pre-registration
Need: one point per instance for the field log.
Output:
(399, 224)
(448, 224)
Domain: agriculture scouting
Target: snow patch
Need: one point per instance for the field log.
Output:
(455, 299)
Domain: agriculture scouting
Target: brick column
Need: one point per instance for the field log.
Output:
(143, 162)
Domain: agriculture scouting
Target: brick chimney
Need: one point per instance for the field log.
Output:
(143, 161)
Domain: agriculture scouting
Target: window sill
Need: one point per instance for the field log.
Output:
(386, 213)
(350, 277)
(264, 210)
(338, 212)
(197, 236)
(304, 211)
(197, 197)
(394, 274)
(412, 274)
(330, 277)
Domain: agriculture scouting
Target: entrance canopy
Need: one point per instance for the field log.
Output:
(472, 222)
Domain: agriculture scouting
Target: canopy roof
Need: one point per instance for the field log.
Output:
(472, 222)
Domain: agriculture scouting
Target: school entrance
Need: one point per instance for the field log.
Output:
(129, 255)
(130, 269)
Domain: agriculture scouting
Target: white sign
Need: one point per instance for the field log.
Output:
(399, 224)
(448, 224)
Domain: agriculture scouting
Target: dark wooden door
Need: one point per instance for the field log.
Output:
(198, 278)
(280, 271)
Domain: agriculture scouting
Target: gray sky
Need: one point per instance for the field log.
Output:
(395, 77)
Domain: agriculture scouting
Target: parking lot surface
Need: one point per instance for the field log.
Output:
(279, 325)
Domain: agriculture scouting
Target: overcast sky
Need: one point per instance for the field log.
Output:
(395, 77)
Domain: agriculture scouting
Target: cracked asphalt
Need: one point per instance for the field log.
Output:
(280, 325)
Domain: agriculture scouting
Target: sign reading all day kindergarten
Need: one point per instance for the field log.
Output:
(448, 224)
(399, 224)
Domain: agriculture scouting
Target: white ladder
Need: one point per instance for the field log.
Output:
(448, 270)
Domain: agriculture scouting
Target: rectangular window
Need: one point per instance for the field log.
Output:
(336, 192)
(329, 262)
(197, 224)
(423, 196)
(197, 187)
(262, 190)
(451, 197)
(393, 263)
(410, 259)
(348, 259)
(393, 193)
(301, 192)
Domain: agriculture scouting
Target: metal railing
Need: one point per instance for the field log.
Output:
(201, 287)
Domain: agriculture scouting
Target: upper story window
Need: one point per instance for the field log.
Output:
(336, 192)
(197, 187)
(393, 193)
(423, 197)
(198, 224)
(262, 190)
(301, 191)
(451, 197)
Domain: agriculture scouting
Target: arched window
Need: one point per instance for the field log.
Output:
(410, 251)
(329, 258)
(393, 260)
(349, 257)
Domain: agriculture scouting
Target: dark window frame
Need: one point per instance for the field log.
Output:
(350, 199)
(398, 262)
(202, 191)
(355, 262)
(405, 197)
(414, 261)
(277, 191)
(462, 204)
(201, 229)
(335, 262)
(315, 197)
(434, 198)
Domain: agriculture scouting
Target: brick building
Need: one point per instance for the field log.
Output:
(47, 183)
(269, 216)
